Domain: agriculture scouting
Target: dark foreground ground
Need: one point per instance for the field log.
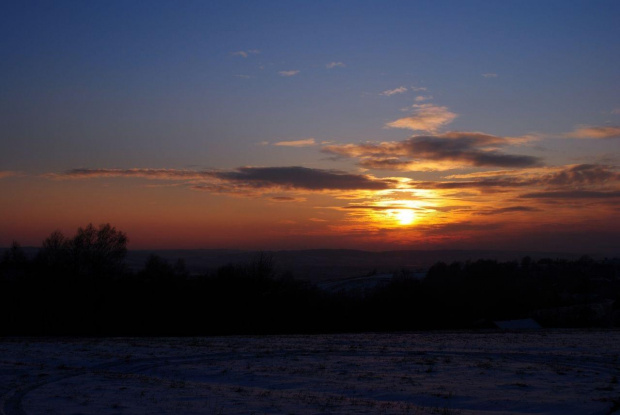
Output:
(542, 372)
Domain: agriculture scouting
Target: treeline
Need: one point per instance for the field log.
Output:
(80, 286)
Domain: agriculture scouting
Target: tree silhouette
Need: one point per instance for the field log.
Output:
(78, 285)
(14, 255)
(92, 251)
(54, 252)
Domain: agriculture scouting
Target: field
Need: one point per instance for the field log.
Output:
(542, 372)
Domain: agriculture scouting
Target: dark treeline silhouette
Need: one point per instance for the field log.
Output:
(79, 286)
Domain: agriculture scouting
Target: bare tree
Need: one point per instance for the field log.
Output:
(91, 251)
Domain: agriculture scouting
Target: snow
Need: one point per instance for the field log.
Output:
(523, 324)
(541, 372)
(357, 284)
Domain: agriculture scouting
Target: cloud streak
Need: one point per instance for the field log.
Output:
(287, 199)
(390, 92)
(7, 173)
(422, 98)
(586, 131)
(567, 177)
(245, 53)
(245, 178)
(157, 174)
(332, 65)
(296, 177)
(379, 207)
(288, 73)
(308, 142)
(509, 209)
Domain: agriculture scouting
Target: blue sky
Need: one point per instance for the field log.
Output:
(148, 77)
(214, 85)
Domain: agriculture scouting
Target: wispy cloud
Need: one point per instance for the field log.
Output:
(390, 206)
(390, 92)
(422, 98)
(245, 53)
(489, 75)
(289, 73)
(524, 139)
(287, 199)
(482, 174)
(7, 173)
(586, 131)
(308, 142)
(426, 117)
(434, 152)
(157, 174)
(332, 65)
(616, 111)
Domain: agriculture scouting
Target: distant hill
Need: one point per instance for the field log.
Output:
(319, 265)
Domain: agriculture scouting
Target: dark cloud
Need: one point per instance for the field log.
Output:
(474, 184)
(294, 177)
(302, 178)
(583, 174)
(570, 177)
(509, 210)
(454, 148)
(573, 194)
(500, 160)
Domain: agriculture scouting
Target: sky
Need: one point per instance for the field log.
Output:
(373, 125)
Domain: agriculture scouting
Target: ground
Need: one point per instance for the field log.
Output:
(542, 372)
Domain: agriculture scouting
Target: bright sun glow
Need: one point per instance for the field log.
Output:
(404, 216)
(397, 209)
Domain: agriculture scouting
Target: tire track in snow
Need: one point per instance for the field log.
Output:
(12, 402)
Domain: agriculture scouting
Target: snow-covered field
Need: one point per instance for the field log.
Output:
(546, 372)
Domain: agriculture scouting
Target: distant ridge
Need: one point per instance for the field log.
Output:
(319, 265)
(333, 264)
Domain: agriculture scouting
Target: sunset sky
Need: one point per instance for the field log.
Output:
(372, 125)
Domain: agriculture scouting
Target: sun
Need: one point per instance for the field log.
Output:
(404, 216)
